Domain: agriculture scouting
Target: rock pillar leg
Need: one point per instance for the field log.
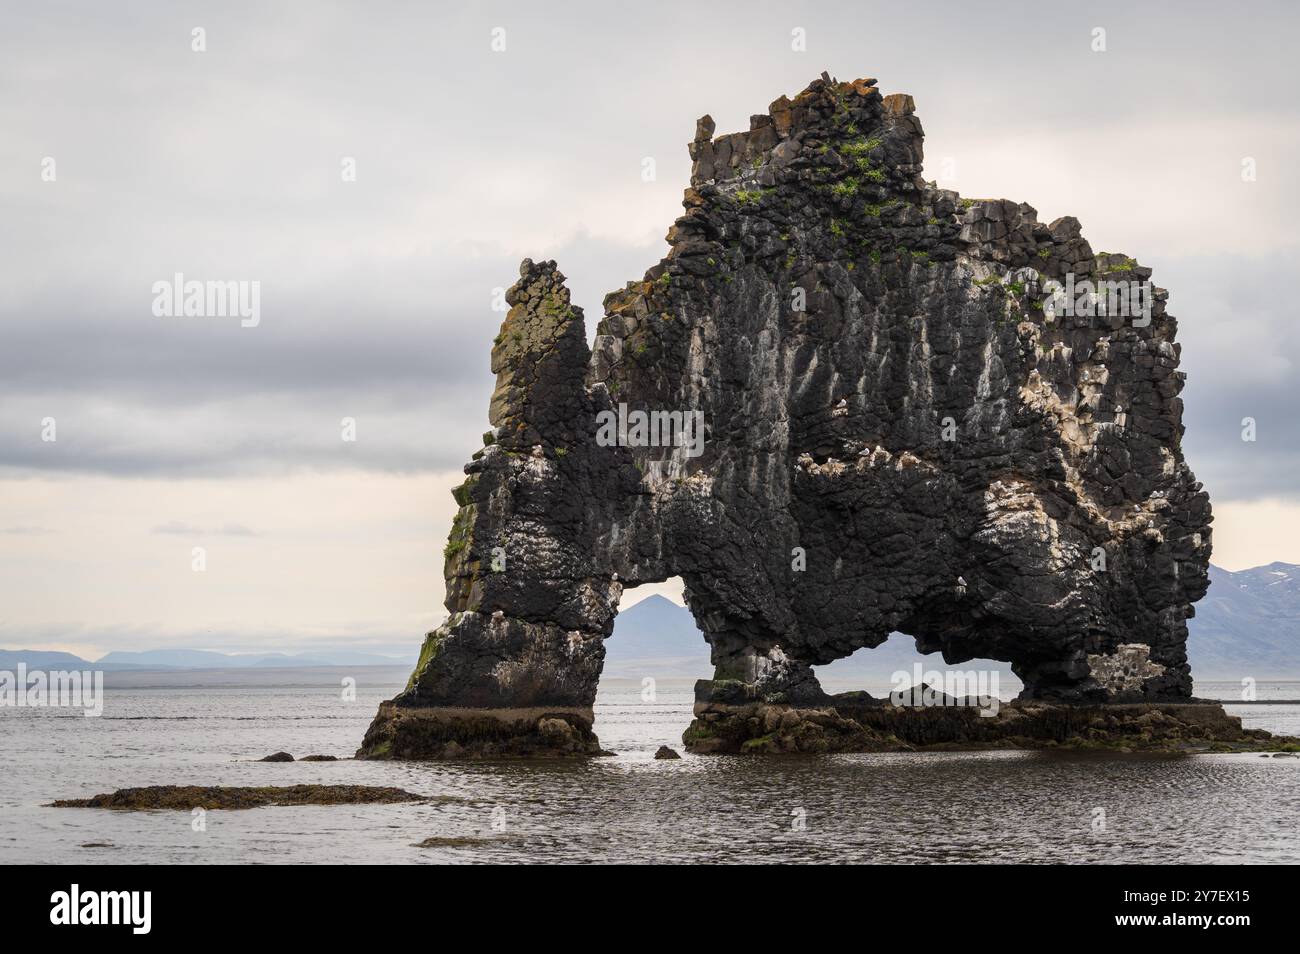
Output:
(513, 670)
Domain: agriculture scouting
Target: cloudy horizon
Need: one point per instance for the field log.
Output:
(131, 157)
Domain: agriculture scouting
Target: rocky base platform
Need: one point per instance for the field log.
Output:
(870, 725)
(851, 722)
(410, 732)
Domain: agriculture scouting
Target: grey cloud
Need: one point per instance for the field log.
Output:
(1241, 353)
(139, 395)
(376, 295)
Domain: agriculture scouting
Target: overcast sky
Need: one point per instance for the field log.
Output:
(376, 294)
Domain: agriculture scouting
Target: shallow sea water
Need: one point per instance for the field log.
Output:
(205, 728)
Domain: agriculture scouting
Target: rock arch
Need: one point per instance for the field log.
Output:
(882, 392)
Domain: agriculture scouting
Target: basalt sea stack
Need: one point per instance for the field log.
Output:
(903, 431)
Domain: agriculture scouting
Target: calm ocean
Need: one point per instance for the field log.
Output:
(206, 728)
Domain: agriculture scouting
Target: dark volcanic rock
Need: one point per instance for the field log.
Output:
(664, 752)
(277, 757)
(188, 797)
(415, 732)
(924, 694)
(901, 431)
(864, 725)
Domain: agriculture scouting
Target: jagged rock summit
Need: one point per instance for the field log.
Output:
(868, 412)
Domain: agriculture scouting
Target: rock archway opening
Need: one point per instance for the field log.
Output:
(897, 664)
(655, 636)
(653, 658)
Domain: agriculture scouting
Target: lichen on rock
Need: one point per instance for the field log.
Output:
(902, 433)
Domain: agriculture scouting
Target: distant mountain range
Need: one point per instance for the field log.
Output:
(166, 659)
(1248, 625)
